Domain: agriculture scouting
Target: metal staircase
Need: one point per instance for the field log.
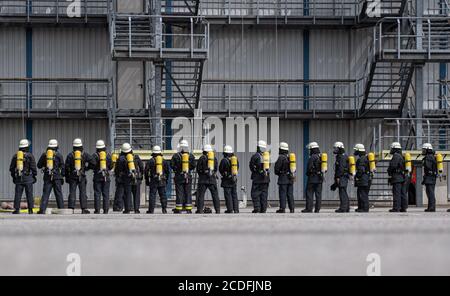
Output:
(176, 41)
(371, 11)
(182, 81)
(180, 7)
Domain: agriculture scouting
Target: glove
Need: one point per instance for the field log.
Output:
(34, 180)
(333, 187)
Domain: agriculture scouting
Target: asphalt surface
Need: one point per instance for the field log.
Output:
(415, 243)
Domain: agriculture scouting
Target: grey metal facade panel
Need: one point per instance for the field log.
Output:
(245, 53)
(65, 131)
(11, 131)
(12, 52)
(72, 53)
(251, 54)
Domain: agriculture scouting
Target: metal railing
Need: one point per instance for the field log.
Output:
(282, 96)
(57, 9)
(55, 96)
(402, 130)
(263, 8)
(436, 8)
(434, 38)
(439, 101)
(135, 34)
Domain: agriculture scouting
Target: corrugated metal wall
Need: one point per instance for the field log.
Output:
(71, 53)
(11, 132)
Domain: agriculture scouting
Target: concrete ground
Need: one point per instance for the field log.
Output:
(415, 243)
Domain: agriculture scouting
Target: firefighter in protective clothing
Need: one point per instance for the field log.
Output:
(101, 164)
(363, 178)
(260, 179)
(397, 178)
(157, 173)
(430, 173)
(125, 172)
(207, 179)
(77, 163)
(136, 184)
(51, 163)
(229, 179)
(182, 164)
(341, 177)
(315, 179)
(285, 179)
(23, 172)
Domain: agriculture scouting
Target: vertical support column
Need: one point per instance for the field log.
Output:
(156, 116)
(29, 74)
(419, 131)
(419, 101)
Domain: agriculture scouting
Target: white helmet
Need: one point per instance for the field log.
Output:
(427, 146)
(228, 149)
(52, 143)
(313, 145)
(360, 148)
(126, 147)
(24, 143)
(156, 150)
(207, 148)
(100, 144)
(77, 143)
(262, 145)
(284, 146)
(184, 145)
(339, 145)
(396, 145)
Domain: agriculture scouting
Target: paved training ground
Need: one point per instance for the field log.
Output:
(291, 244)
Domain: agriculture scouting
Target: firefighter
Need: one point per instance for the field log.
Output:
(430, 171)
(363, 178)
(396, 172)
(51, 163)
(228, 169)
(101, 164)
(77, 163)
(341, 176)
(315, 179)
(157, 173)
(285, 179)
(207, 166)
(260, 178)
(137, 182)
(125, 175)
(23, 172)
(182, 164)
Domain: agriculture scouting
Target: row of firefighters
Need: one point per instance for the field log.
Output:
(129, 172)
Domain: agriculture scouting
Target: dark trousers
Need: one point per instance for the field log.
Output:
(101, 189)
(81, 184)
(430, 190)
(56, 185)
(161, 190)
(28, 188)
(344, 200)
(260, 192)
(231, 199)
(200, 201)
(136, 190)
(286, 192)
(400, 197)
(123, 195)
(363, 198)
(118, 200)
(183, 196)
(311, 191)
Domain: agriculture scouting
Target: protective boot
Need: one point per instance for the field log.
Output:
(281, 211)
(30, 211)
(164, 210)
(16, 212)
(84, 211)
